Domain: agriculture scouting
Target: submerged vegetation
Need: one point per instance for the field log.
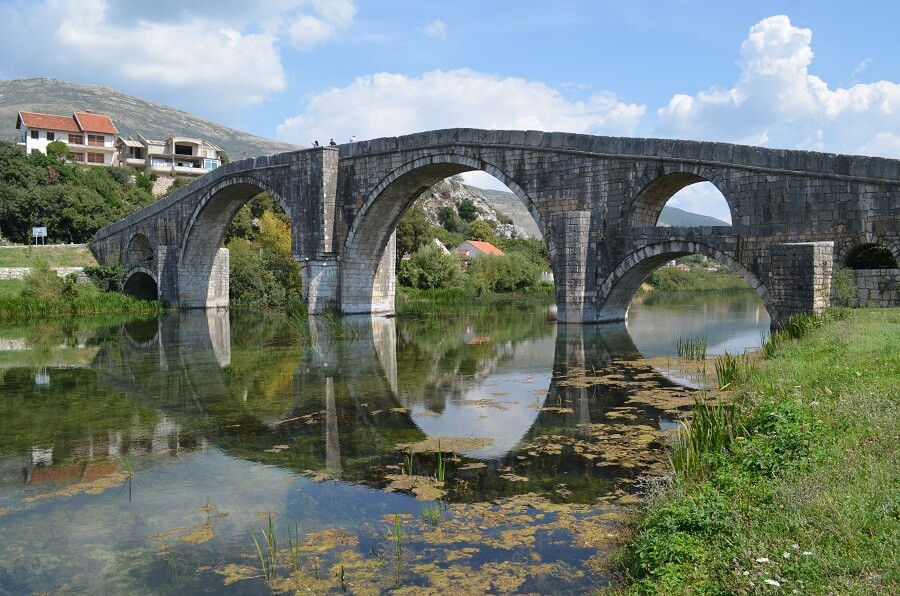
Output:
(793, 484)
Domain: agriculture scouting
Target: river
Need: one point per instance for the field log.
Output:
(487, 450)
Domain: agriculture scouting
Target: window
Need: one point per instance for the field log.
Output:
(77, 156)
(96, 140)
(51, 136)
(35, 134)
(76, 139)
(183, 150)
(95, 157)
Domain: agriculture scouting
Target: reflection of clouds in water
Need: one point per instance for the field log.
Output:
(504, 419)
(732, 322)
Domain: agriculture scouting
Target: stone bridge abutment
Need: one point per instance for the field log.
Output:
(596, 201)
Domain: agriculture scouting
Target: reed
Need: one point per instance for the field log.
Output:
(432, 514)
(441, 470)
(731, 369)
(711, 431)
(268, 558)
(691, 348)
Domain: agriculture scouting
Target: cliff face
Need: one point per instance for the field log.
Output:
(451, 192)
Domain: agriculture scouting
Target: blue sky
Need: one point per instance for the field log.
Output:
(810, 74)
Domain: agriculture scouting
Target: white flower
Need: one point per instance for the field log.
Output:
(762, 560)
(786, 555)
(772, 582)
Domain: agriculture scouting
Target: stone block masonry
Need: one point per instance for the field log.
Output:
(594, 199)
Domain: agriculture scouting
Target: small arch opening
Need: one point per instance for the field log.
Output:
(681, 199)
(871, 256)
(142, 286)
(139, 251)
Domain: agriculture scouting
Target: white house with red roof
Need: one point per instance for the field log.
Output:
(90, 137)
(471, 249)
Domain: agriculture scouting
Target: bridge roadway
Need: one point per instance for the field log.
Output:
(596, 201)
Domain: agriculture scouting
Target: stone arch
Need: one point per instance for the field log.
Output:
(141, 283)
(367, 278)
(139, 250)
(850, 248)
(620, 286)
(654, 189)
(204, 233)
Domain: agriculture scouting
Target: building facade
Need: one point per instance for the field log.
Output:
(176, 156)
(91, 138)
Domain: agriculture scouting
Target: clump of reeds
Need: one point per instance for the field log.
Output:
(731, 369)
(268, 558)
(691, 348)
(711, 431)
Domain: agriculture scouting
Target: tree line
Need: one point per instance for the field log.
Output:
(71, 200)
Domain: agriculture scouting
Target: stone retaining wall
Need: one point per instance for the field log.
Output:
(20, 272)
(878, 287)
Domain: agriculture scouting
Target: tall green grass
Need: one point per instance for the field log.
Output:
(691, 348)
(731, 369)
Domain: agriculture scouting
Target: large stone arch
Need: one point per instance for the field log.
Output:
(140, 282)
(367, 280)
(199, 254)
(620, 286)
(654, 189)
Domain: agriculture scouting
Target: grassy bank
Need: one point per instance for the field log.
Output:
(794, 488)
(673, 279)
(54, 255)
(86, 301)
(411, 300)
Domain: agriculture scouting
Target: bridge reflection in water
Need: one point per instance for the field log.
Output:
(522, 401)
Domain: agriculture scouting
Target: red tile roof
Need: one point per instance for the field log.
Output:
(47, 122)
(95, 123)
(78, 122)
(486, 247)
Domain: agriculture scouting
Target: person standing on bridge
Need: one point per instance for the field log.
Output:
(332, 143)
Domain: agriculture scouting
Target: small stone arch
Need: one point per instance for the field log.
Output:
(654, 189)
(620, 286)
(373, 225)
(850, 249)
(141, 283)
(139, 250)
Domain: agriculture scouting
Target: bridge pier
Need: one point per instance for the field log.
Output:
(800, 279)
(321, 283)
(575, 266)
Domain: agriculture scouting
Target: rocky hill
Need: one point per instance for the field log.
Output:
(130, 115)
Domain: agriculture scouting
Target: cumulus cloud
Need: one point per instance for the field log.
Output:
(193, 54)
(387, 104)
(436, 29)
(778, 103)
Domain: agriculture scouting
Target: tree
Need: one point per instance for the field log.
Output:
(413, 231)
(451, 221)
(58, 150)
(429, 269)
(467, 211)
(481, 230)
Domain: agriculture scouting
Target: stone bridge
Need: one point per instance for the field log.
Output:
(595, 199)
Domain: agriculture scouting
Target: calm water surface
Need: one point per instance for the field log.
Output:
(490, 451)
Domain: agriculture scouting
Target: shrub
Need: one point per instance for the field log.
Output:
(496, 274)
(429, 269)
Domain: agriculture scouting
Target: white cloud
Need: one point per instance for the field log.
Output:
(778, 103)
(386, 104)
(436, 29)
(210, 61)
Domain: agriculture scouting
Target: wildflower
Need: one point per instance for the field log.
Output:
(772, 582)
(762, 560)
(786, 555)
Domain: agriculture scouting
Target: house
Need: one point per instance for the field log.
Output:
(179, 156)
(90, 137)
(683, 267)
(471, 249)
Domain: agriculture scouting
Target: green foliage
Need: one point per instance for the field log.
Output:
(793, 485)
(496, 274)
(106, 279)
(264, 273)
(413, 231)
(429, 268)
(481, 230)
(43, 284)
(467, 211)
(673, 279)
(57, 150)
(844, 291)
(531, 249)
(873, 256)
(73, 200)
(452, 222)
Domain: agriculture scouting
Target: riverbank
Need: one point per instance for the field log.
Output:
(800, 491)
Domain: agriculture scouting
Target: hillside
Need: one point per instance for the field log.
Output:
(508, 204)
(130, 115)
